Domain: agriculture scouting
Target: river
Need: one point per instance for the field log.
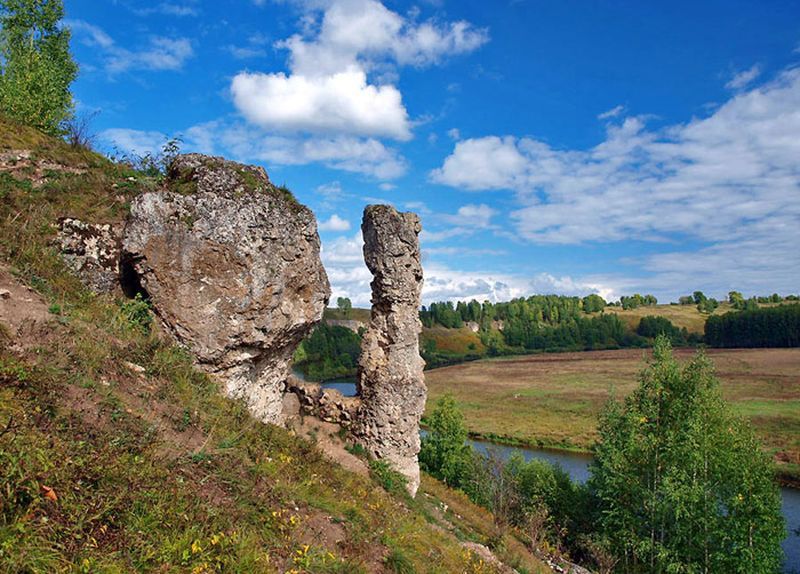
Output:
(577, 465)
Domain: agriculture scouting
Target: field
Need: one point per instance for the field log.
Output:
(553, 400)
(680, 315)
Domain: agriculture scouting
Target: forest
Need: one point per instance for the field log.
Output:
(331, 352)
(768, 327)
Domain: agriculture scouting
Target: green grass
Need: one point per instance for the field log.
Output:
(104, 469)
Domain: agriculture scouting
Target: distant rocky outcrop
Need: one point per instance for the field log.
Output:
(91, 251)
(231, 264)
(391, 383)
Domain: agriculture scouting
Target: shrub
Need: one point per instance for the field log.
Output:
(136, 312)
(444, 453)
(680, 482)
(392, 481)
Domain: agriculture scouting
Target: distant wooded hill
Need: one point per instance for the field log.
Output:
(464, 331)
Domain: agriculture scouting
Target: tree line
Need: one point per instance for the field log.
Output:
(330, 352)
(553, 324)
(768, 327)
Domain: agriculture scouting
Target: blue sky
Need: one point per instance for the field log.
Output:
(549, 146)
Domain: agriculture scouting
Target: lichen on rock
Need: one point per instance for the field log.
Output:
(91, 250)
(391, 383)
(232, 266)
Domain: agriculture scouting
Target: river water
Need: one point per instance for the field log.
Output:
(577, 466)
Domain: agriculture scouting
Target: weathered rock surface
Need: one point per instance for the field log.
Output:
(231, 264)
(91, 251)
(390, 379)
(326, 404)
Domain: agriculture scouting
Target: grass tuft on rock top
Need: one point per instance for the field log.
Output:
(117, 455)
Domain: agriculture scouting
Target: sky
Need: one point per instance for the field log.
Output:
(549, 146)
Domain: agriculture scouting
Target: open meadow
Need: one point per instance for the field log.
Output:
(553, 400)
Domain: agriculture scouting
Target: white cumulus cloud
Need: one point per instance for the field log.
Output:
(730, 181)
(329, 89)
(340, 103)
(334, 223)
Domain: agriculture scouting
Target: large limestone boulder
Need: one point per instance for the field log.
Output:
(391, 383)
(231, 264)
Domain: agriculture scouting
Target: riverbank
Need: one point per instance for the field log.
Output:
(577, 465)
(553, 401)
(786, 478)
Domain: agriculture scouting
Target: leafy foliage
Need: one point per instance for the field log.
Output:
(391, 480)
(444, 452)
(331, 352)
(536, 323)
(593, 303)
(652, 326)
(637, 300)
(345, 306)
(136, 311)
(680, 483)
(36, 68)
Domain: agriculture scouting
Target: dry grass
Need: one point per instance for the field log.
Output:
(454, 341)
(555, 399)
(680, 315)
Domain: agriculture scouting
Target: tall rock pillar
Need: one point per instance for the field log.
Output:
(390, 378)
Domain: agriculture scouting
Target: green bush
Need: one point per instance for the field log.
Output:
(680, 483)
(137, 313)
(444, 453)
(392, 481)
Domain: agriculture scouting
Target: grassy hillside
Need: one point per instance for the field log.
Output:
(553, 400)
(116, 455)
(680, 315)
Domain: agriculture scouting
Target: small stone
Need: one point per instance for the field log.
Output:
(5, 294)
(134, 367)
